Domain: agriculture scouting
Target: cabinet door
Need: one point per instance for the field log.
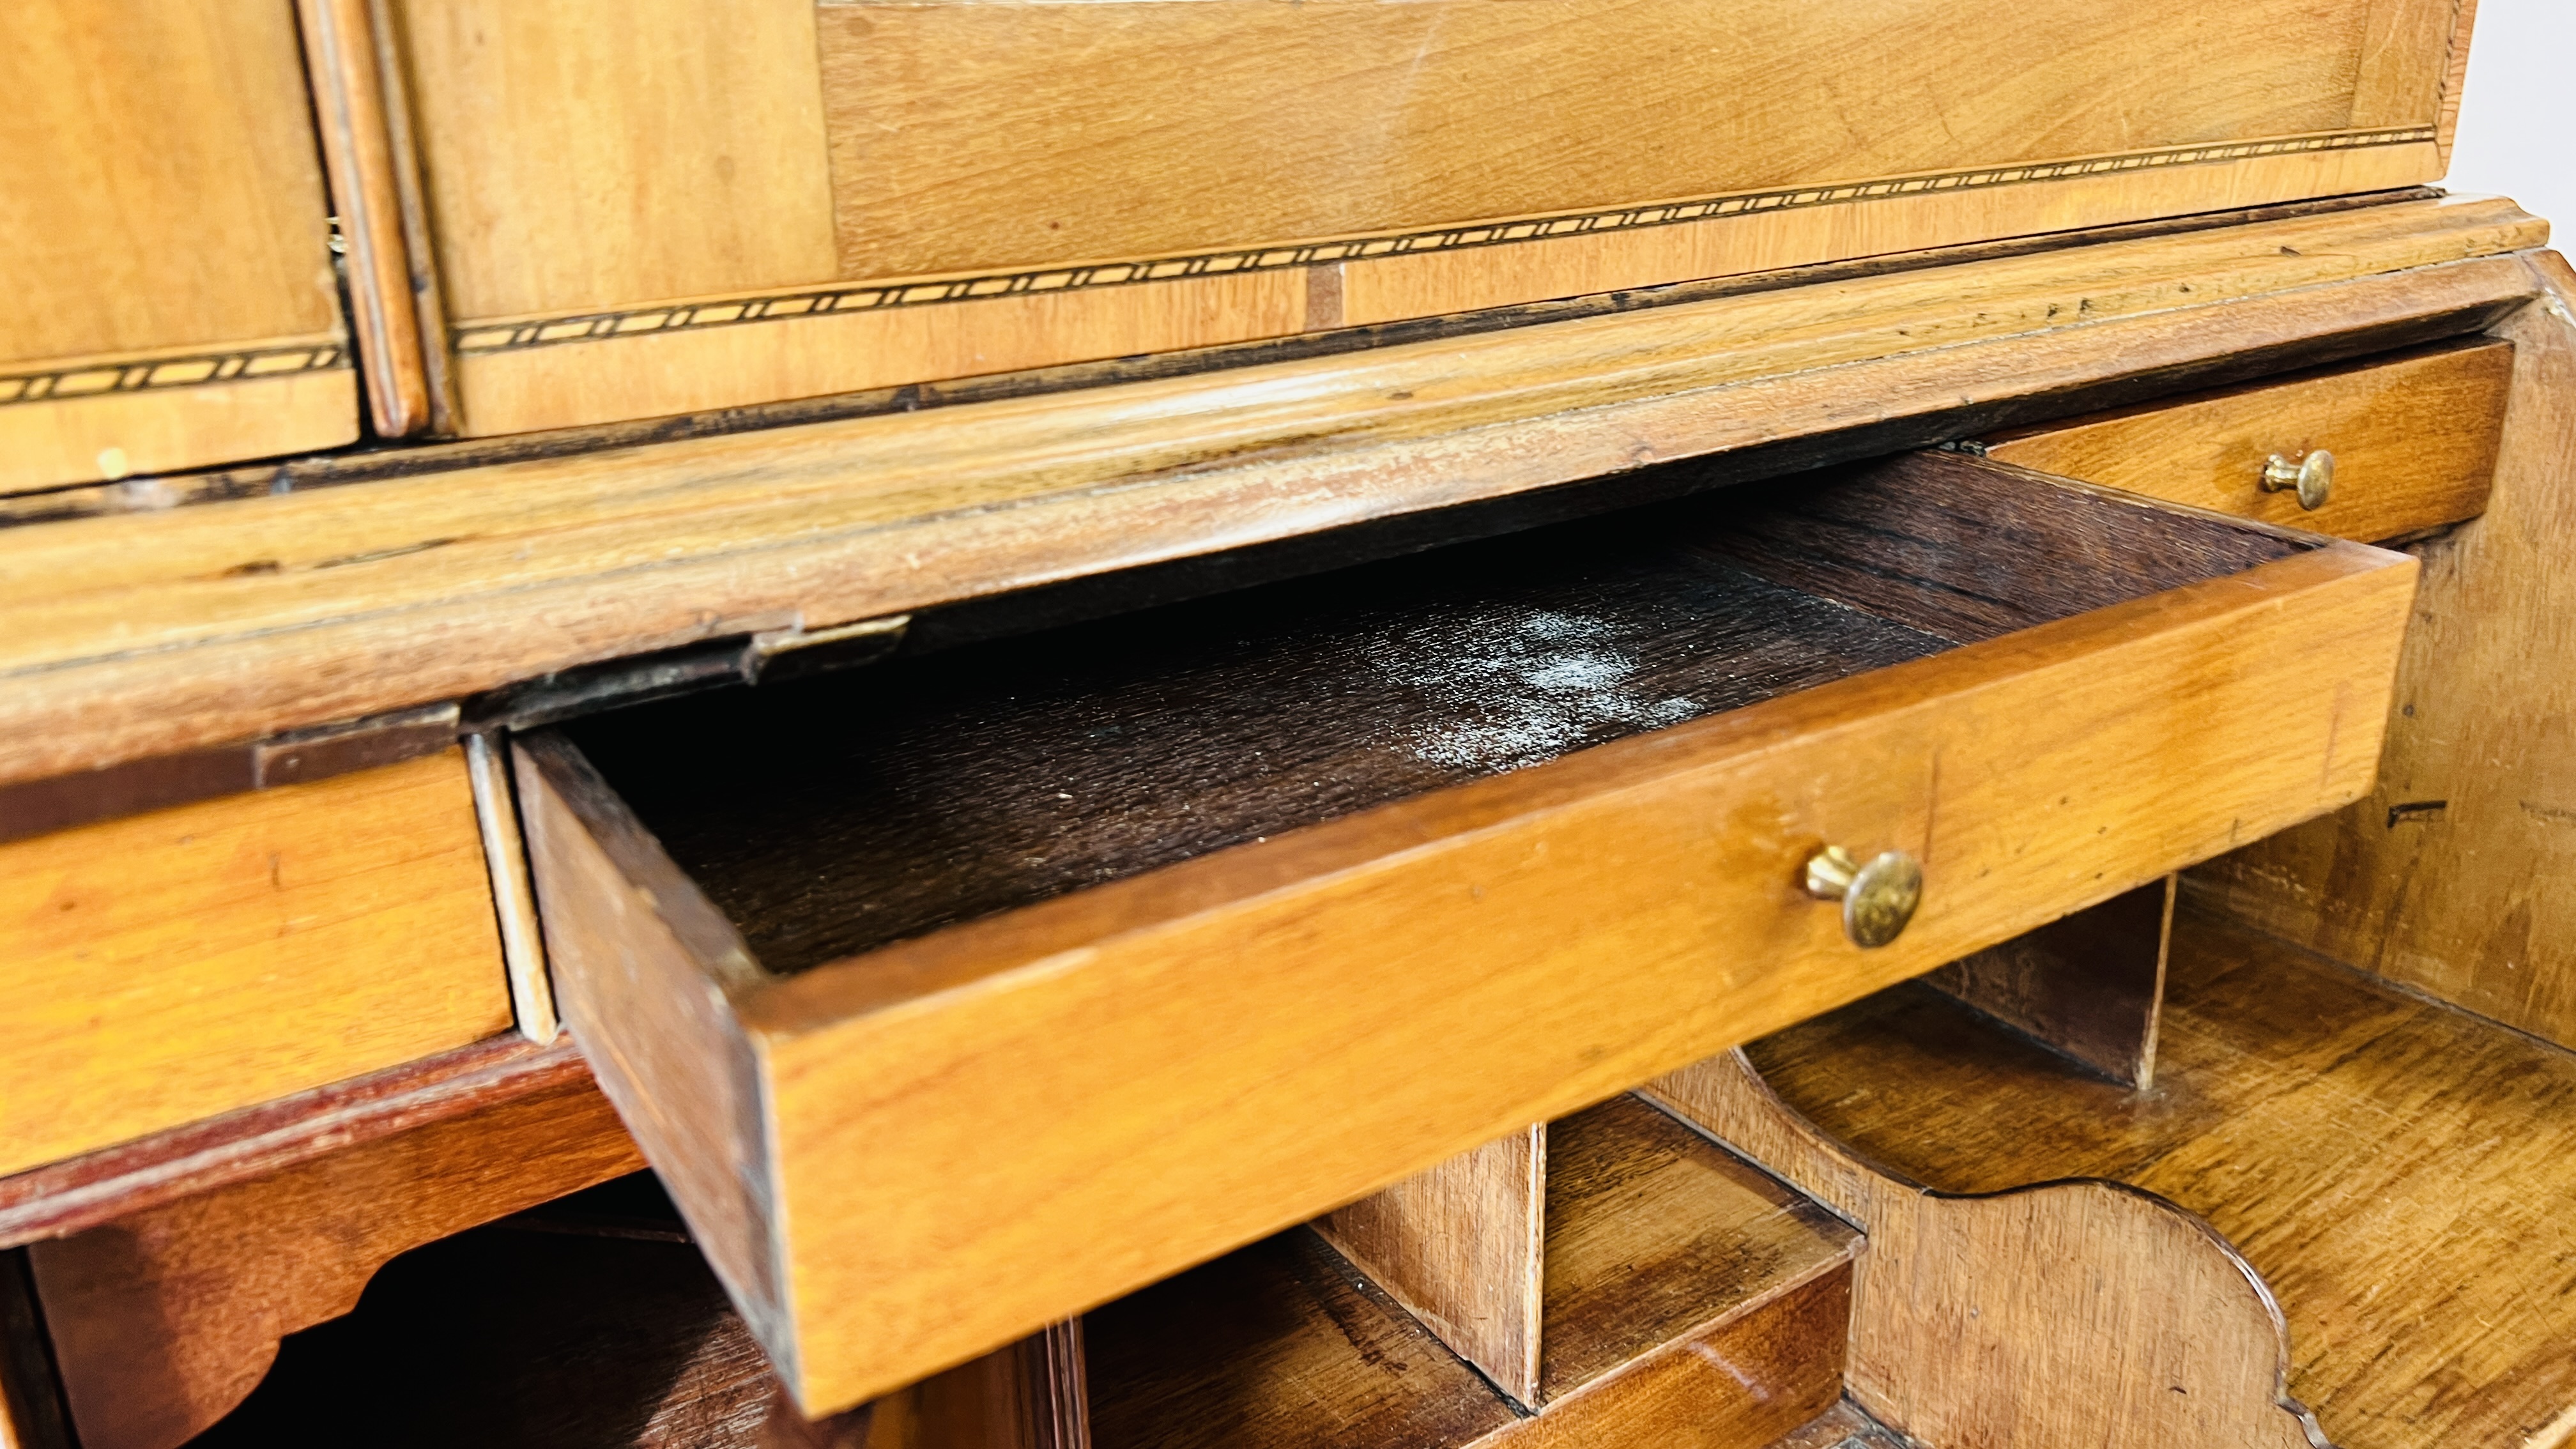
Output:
(652, 207)
(170, 300)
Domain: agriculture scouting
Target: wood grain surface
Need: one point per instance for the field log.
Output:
(1597, 1240)
(1460, 1247)
(326, 470)
(2091, 985)
(186, 962)
(98, 1187)
(1283, 1343)
(614, 1337)
(166, 189)
(640, 211)
(1279, 1343)
(2446, 879)
(1554, 935)
(1734, 1384)
(2393, 1167)
(2414, 440)
(584, 154)
(166, 207)
(830, 820)
(2073, 1312)
(1237, 123)
(1657, 1237)
(353, 97)
(163, 1319)
(128, 436)
(129, 637)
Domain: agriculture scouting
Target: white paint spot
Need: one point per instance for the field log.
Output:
(112, 464)
(1530, 690)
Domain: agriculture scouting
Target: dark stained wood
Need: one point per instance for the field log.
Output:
(2398, 1171)
(2090, 985)
(98, 1187)
(1280, 1343)
(509, 1338)
(1655, 1233)
(163, 1318)
(36, 807)
(31, 1401)
(840, 816)
(1973, 549)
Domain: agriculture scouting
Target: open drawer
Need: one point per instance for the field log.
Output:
(962, 993)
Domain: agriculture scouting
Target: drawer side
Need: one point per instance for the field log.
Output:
(638, 960)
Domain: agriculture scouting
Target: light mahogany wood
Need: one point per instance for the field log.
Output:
(2446, 879)
(351, 100)
(2090, 986)
(177, 964)
(2077, 1312)
(166, 226)
(1034, 1394)
(140, 636)
(591, 153)
(1241, 123)
(310, 402)
(163, 1320)
(1461, 1247)
(1640, 1235)
(643, 210)
(1698, 1303)
(2414, 441)
(1383, 288)
(1656, 1240)
(2393, 1167)
(1558, 933)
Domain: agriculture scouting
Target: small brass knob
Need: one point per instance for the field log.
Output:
(1878, 898)
(2312, 476)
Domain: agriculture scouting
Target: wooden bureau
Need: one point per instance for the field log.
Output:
(1454, 724)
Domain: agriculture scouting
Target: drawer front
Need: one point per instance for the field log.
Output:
(2414, 443)
(903, 1158)
(171, 966)
(1237, 169)
(170, 301)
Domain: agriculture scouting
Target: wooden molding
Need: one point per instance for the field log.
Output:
(480, 337)
(80, 1193)
(164, 1318)
(126, 638)
(349, 104)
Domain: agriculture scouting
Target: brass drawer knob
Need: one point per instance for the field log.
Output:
(1878, 898)
(2312, 476)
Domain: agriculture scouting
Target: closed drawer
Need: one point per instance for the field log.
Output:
(172, 965)
(2413, 440)
(958, 995)
(851, 196)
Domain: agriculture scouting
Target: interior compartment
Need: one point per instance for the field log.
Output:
(832, 817)
(2385, 1162)
(1696, 1301)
